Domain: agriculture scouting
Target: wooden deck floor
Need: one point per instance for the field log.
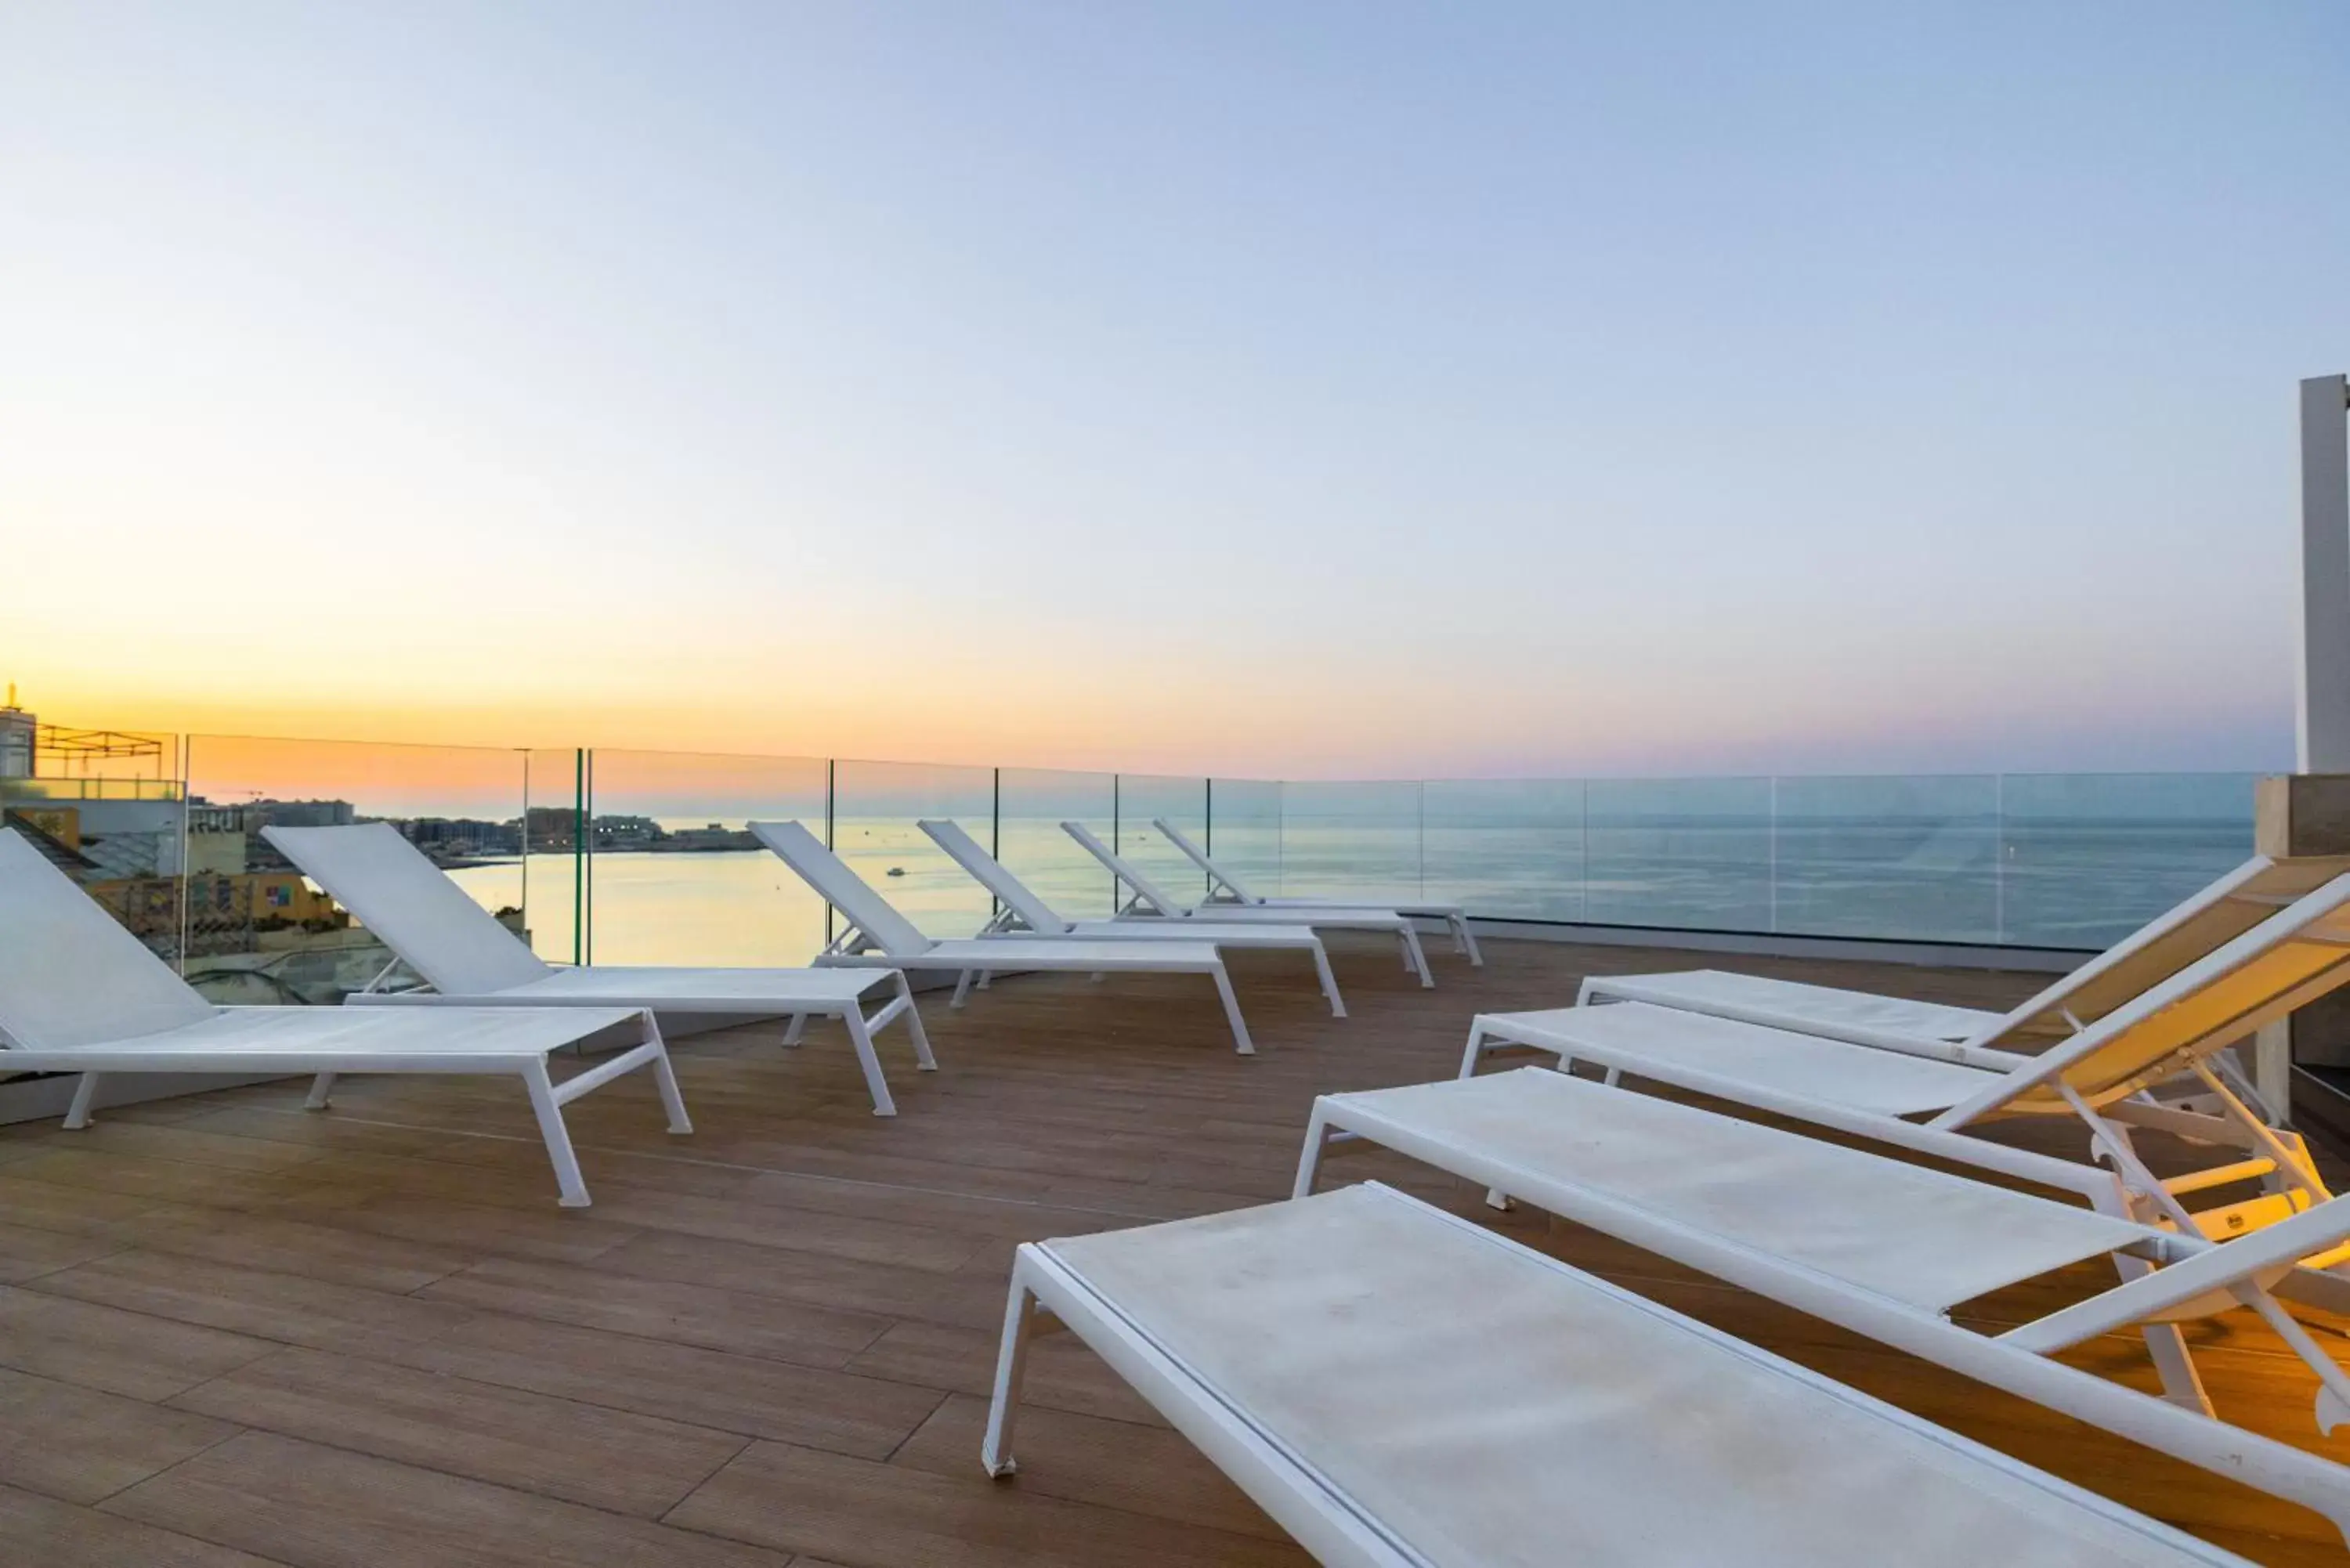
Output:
(233, 1332)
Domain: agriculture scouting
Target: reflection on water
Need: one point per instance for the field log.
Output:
(2058, 881)
(749, 907)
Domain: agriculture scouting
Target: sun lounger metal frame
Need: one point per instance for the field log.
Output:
(2103, 1075)
(1225, 889)
(2199, 925)
(2196, 1279)
(80, 994)
(1022, 911)
(1152, 902)
(465, 958)
(875, 934)
(1291, 1470)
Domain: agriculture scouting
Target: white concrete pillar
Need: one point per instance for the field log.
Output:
(2323, 713)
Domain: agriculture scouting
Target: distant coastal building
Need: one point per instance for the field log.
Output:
(18, 737)
(714, 837)
(448, 838)
(624, 833)
(302, 812)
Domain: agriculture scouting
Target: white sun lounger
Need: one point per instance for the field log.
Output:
(877, 934)
(1398, 1388)
(1152, 902)
(2100, 1075)
(1879, 1247)
(1023, 913)
(2218, 914)
(469, 960)
(1223, 888)
(80, 994)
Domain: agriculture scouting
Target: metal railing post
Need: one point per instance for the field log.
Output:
(578, 843)
(588, 809)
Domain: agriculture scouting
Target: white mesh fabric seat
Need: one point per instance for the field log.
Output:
(1024, 912)
(1879, 1246)
(470, 960)
(80, 994)
(1914, 1235)
(1882, 1081)
(2100, 1075)
(1398, 1388)
(2188, 932)
(877, 933)
(1833, 1013)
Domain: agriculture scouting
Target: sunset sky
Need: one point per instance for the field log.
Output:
(1308, 389)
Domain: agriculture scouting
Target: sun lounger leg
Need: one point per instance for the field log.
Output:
(665, 1080)
(986, 979)
(793, 1030)
(1011, 1366)
(1241, 1041)
(574, 1185)
(2333, 1387)
(1329, 982)
(1414, 959)
(1472, 1056)
(862, 1039)
(922, 1057)
(322, 1090)
(77, 1114)
(2181, 1384)
(962, 988)
(1466, 939)
(1309, 1159)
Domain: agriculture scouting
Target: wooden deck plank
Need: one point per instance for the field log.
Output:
(1088, 1460)
(118, 1352)
(272, 1309)
(662, 1309)
(812, 1406)
(892, 1516)
(316, 1507)
(48, 1533)
(27, 1254)
(588, 1454)
(83, 1446)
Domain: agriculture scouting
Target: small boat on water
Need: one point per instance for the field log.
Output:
(897, 870)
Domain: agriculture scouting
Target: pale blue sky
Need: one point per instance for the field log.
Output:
(1276, 388)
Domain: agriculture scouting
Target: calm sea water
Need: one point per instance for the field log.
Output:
(2056, 880)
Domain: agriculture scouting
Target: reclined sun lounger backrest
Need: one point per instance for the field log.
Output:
(844, 889)
(990, 874)
(1150, 892)
(1198, 856)
(394, 891)
(2200, 924)
(2286, 961)
(69, 973)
